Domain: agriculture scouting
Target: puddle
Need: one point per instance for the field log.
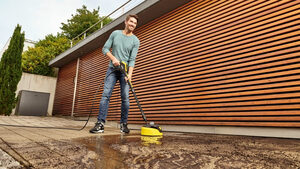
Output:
(176, 150)
(113, 150)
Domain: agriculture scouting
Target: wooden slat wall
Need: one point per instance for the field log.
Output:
(92, 70)
(64, 90)
(211, 63)
(221, 63)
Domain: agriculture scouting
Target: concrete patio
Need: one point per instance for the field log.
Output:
(29, 147)
(38, 147)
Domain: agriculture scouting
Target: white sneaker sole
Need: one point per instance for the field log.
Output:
(100, 131)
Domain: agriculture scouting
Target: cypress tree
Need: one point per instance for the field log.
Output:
(11, 71)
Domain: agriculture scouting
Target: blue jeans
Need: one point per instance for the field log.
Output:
(112, 76)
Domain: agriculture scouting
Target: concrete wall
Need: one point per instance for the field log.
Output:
(39, 83)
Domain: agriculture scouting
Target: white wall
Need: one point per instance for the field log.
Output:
(39, 83)
(27, 43)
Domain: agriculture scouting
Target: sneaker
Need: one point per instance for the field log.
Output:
(98, 128)
(124, 128)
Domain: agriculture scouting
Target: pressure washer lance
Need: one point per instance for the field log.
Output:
(123, 68)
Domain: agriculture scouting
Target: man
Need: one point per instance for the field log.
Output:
(124, 46)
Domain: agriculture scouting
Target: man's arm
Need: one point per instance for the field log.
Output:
(107, 46)
(114, 60)
(132, 59)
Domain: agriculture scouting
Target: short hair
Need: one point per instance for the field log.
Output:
(132, 15)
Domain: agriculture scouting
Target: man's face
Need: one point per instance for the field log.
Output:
(131, 24)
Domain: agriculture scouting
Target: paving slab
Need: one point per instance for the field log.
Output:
(6, 161)
(26, 139)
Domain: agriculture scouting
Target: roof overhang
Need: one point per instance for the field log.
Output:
(147, 11)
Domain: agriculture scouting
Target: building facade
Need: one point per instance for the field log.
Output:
(200, 63)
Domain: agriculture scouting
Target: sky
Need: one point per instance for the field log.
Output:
(39, 18)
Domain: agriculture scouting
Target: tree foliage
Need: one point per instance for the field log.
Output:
(81, 21)
(35, 60)
(11, 71)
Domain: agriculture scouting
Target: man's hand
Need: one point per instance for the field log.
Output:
(116, 62)
(129, 78)
(113, 59)
(130, 71)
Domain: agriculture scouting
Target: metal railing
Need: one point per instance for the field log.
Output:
(84, 33)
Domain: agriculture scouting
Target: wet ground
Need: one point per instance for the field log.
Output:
(60, 148)
(176, 150)
(173, 150)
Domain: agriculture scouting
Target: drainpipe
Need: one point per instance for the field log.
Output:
(75, 87)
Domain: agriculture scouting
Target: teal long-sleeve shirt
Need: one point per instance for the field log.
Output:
(124, 48)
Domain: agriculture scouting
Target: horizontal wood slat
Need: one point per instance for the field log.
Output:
(224, 63)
